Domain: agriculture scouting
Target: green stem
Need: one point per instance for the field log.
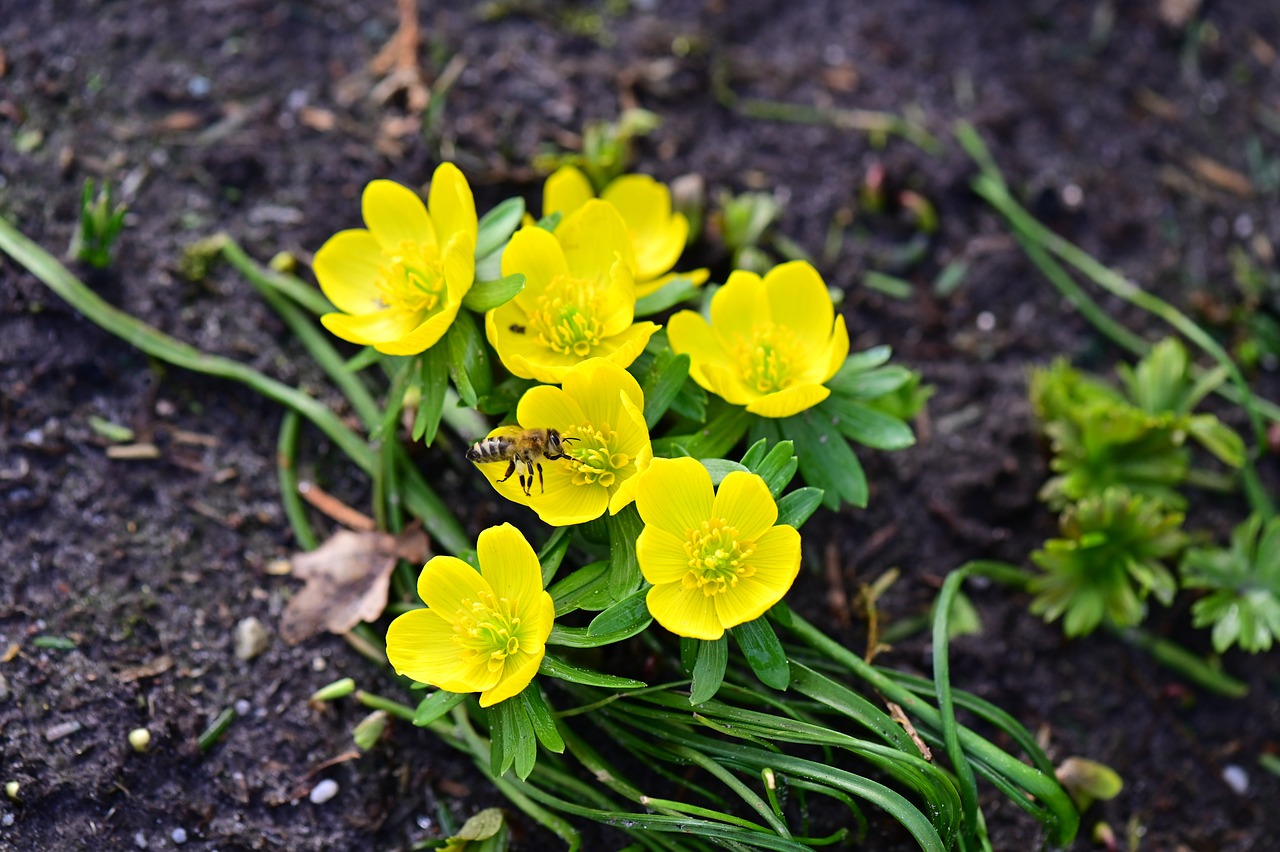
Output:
(287, 475)
(1179, 659)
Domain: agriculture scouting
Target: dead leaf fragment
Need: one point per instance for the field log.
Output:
(1222, 177)
(347, 579)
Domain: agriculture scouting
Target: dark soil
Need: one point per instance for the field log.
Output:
(255, 116)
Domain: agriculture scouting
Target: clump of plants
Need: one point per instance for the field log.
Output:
(628, 656)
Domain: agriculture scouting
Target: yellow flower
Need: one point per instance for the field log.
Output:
(481, 632)
(658, 234)
(578, 300)
(771, 343)
(398, 283)
(600, 416)
(715, 559)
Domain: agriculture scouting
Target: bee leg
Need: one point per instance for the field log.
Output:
(526, 480)
(541, 484)
(511, 468)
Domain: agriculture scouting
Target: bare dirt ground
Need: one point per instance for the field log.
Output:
(1150, 140)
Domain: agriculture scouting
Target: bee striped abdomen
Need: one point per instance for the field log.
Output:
(497, 448)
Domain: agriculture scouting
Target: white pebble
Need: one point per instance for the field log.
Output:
(243, 707)
(140, 840)
(178, 836)
(6, 820)
(251, 638)
(986, 321)
(324, 791)
(1237, 779)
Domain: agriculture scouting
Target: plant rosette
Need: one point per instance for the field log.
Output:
(771, 344)
(481, 631)
(658, 233)
(599, 413)
(398, 282)
(715, 557)
(578, 301)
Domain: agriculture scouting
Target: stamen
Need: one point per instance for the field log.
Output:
(717, 558)
(412, 279)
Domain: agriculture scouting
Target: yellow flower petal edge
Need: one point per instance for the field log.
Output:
(716, 560)
(771, 344)
(578, 301)
(484, 632)
(398, 283)
(599, 415)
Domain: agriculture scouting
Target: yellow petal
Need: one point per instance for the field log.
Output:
(565, 191)
(616, 307)
(421, 646)
(384, 326)
(597, 385)
(798, 299)
(675, 495)
(453, 208)
(626, 347)
(685, 612)
(838, 349)
(744, 501)
(459, 261)
(348, 267)
(592, 236)
(776, 559)
(739, 306)
(446, 581)
(658, 237)
(546, 407)
(423, 337)
(508, 563)
(662, 556)
(625, 492)
(726, 382)
(644, 287)
(516, 675)
(536, 254)
(395, 214)
(688, 333)
(564, 503)
(789, 401)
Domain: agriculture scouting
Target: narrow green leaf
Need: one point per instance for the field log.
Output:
(826, 461)
(755, 453)
(624, 568)
(558, 668)
(778, 467)
(870, 384)
(623, 616)
(720, 468)
(673, 292)
(867, 426)
(544, 724)
(890, 285)
(950, 278)
(550, 222)
(569, 592)
(435, 706)
(795, 508)
(497, 226)
(468, 359)
(433, 381)
(552, 553)
(662, 384)
(579, 637)
(764, 652)
(362, 360)
(715, 439)
(487, 295)
(708, 671)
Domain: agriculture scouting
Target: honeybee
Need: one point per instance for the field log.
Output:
(527, 448)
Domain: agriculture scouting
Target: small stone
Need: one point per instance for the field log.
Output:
(324, 791)
(139, 739)
(251, 638)
(140, 840)
(178, 836)
(1236, 778)
(11, 789)
(4, 689)
(6, 820)
(242, 707)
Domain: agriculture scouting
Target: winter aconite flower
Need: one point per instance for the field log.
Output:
(771, 344)
(658, 234)
(715, 559)
(398, 282)
(578, 300)
(599, 414)
(481, 632)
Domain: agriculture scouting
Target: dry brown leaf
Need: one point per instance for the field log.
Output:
(1223, 177)
(347, 579)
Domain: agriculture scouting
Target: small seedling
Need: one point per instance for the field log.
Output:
(101, 221)
(1243, 605)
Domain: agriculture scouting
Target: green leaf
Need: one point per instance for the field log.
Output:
(435, 706)
(505, 396)
(544, 724)
(708, 671)
(890, 285)
(720, 468)
(504, 735)
(433, 380)
(870, 384)
(778, 467)
(550, 222)
(580, 637)
(1218, 438)
(482, 826)
(624, 568)
(569, 593)
(764, 652)
(626, 615)
(755, 453)
(867, 426)
(468, 359)
(676, 290)
(712, 441)
(558, 668)
(662, 384)
(497, 226)
(552, 553)
(795, 508)
(362, 360)
(487, 295)
(826, 461)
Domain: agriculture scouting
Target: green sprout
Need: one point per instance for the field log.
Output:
(743, 221)
(1244, 602)
(101, 221)
(1110, 557)
(607, 148)
(1102, 437)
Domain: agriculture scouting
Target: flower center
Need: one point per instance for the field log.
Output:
(412, 279)
(717, 558)
(594, 457)
(489, 627)
(768, 357)
(565, 317)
